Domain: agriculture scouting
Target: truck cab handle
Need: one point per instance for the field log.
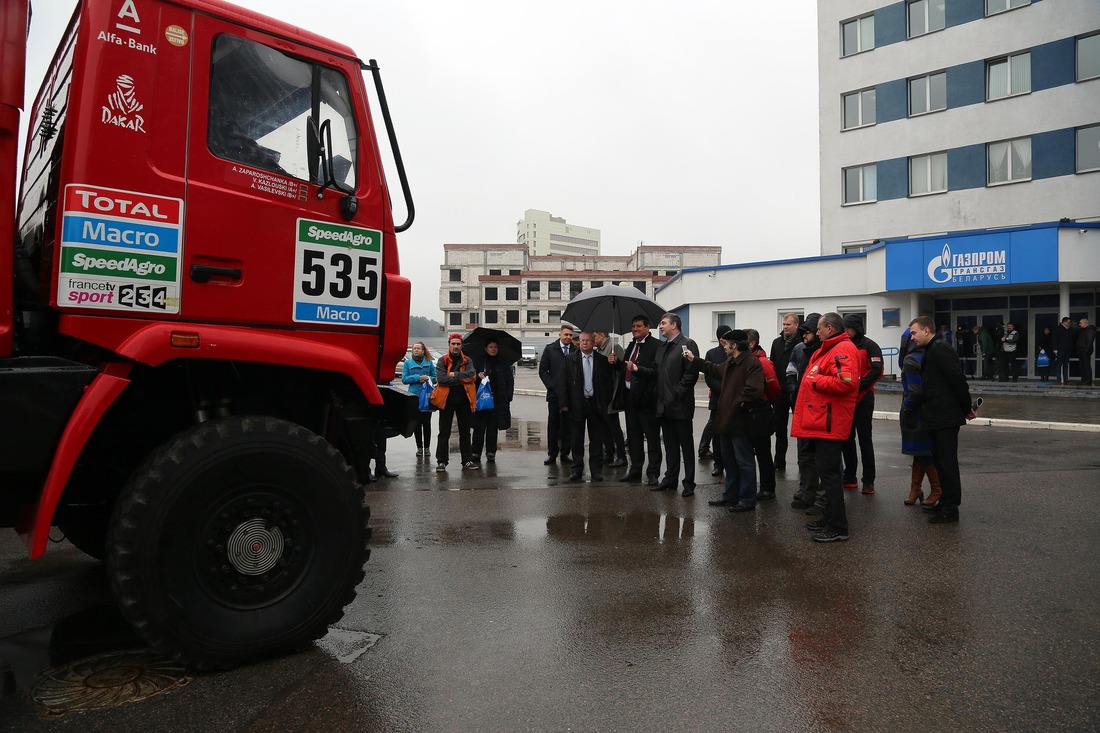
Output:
(385, 108)
(203, 273)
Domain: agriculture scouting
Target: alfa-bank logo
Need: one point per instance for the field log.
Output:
(985, 266)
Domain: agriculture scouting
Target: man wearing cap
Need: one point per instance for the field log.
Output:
(717, 355)
(823, 413)
(1063, 348)
(557, 426)
(870, 371)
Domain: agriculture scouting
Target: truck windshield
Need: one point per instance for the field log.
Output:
(261, 101)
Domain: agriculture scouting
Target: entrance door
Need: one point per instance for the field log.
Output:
(1039, 321)
(976, 365)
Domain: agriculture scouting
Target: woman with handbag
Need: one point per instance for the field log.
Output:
(418, 370)
(502, 386)
(455, 395)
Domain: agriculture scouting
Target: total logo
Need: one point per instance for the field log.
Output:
(968, 267)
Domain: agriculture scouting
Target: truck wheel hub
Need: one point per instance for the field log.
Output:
(255, 546)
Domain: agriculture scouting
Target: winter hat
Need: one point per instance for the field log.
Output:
(854, 322)
(454, 336)
(722, 331)
(737, 336)
(810, 324)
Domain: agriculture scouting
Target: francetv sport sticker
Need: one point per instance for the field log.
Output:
(337, 274)
(120, 250)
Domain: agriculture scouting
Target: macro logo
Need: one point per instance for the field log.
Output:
(968, 267)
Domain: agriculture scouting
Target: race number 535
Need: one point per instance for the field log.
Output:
(338, 274)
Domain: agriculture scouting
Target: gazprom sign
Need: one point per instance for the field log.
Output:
(973, 260)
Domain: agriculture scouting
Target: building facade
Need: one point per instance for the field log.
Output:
(504, 286)
(546, 235)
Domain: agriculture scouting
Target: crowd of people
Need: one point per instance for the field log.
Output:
(998, 351)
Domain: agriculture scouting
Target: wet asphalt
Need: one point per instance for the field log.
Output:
(510, 599)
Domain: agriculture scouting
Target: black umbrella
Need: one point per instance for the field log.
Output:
(474, 345)
(610, 308)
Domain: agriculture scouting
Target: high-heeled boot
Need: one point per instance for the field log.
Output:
(934, 482)
(915, 493)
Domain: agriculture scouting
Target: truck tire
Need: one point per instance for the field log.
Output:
(238, 539)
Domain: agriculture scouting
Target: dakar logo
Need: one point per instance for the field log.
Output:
(968, 267)
(122, 106)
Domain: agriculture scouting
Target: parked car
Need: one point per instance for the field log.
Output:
(528, 357)
(408, 355)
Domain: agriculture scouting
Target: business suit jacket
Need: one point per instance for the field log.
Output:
(675, 377)
(571, 384)
(550, 366)
(642, 394)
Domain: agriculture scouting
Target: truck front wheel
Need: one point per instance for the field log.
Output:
(238, 539)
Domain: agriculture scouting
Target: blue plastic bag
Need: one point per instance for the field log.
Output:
(426, 396)
(1042, 360)
(484, 396)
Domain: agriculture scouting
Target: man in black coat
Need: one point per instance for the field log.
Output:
(642, 431)
(944, 406)
(1062, 340)
(557, 428)
(1086, 340)
(870, 371)
(584, 393)
(676, 378)
(717, 355)
(780, 357)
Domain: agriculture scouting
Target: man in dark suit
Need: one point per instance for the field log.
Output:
(584, 392)
(676, 378)
(640, 404)
(557, 426)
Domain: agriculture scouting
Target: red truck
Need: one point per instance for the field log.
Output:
(204, 290)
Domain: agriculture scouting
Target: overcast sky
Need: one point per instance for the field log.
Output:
(688, 123)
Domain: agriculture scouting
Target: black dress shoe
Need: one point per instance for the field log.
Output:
(387, 473)
(566, 459)
(632, 476)
(618, 462)
(665, 486)
(943, 518)
(721, 502)
(652, 481)
(597, 477)
(688, 491)
(574, 477)
(934, 509)
(717, 471)
(550, 461)
(765, 495)
(738, 508)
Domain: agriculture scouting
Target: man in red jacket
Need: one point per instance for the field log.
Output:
(823, 415)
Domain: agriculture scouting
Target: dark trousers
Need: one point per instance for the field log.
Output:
(424, 432)
(827, 457)
(808, 485)
(861, 428)
(446, 415)
(485, 433)
(1063, 366)
(782, 407)
(642, 434)
(706, 439)
(740, 485)
(679, 443)
(593, 421)
(557, 429)
(762, 447)
(614, 444)
(945, 454)
(1086, 367)
(1009, 367)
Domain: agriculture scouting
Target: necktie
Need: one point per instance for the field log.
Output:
(587, 375)
(633, 358)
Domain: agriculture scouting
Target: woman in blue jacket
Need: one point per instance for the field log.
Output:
(419, 368)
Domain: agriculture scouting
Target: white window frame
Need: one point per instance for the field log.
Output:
(927, 81)
(924, 163)
(861, 29)
(861, 102)
(1094, 41)
(1007, 5)
(1077, 149)
(723, 318)
(1008, 62)
(927, 5)
(863, 199)
(1018, 178)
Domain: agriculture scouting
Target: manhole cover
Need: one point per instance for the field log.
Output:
(106, 680)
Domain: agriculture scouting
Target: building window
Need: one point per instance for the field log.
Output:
(927, 174)
(860, 184)
(514, 272)
(454, 296)
(928, 93)
(456, 319)
(925, 16)
(456, 276)
(1088, 57)
(490, 293)
(597, 283)
(553, 315)
(511, 294)
(575, 288)
(1008, 76)
(473, 318)
(859, 109)
(857, 35)
(511, 316)
(533, 287)
(491, 316)
(891, 317)
(1010, 161)
(992, 7)
(532, 316)
(1088, 148)
(725, 319)
(494, 273)
(640, 285)
(554, 286)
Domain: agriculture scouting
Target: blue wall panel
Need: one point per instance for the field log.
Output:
(966, 167)
(890, 24)
(1053, 153)
(958, 12)
(893, 179)
(966, 84)
(891, 100)
(1053, 64)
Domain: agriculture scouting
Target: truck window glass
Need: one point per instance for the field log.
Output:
(260, 103)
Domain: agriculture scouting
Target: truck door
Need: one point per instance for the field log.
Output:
(261, 247)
